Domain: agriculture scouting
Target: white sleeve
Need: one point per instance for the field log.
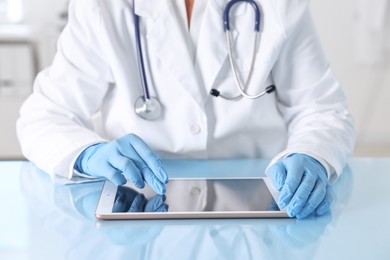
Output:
(55, 121)
(310, 99)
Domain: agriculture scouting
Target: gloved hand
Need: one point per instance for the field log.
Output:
(128, 157)
(303, 183)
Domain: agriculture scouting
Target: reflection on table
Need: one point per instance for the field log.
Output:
(67, 214)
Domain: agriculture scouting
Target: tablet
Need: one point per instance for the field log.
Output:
(192, 198)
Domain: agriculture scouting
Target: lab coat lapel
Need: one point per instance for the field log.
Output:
(171, 44)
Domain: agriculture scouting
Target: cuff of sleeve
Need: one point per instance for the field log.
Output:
(72, 171)
(59, 180)
(330, 170)
(65, 170)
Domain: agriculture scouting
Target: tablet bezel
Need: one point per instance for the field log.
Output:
(108, 193)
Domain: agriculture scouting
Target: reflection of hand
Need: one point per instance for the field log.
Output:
(303, 183)
(129, 200)
(128, 233)
(128, 157)
(300, 233)
(132, 234)
(273, 206)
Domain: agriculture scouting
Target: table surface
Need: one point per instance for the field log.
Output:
(41, 220)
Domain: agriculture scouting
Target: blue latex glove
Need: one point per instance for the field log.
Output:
(128, 157)
(303, 183)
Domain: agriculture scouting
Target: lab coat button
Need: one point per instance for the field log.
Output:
(195, 129)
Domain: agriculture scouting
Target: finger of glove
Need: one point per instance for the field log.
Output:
(294, 177)
(302, 194)
(324, 205)
(153, 181)
(154, 203)
(138, 204)
(278, 174)
(128, 145)
(314, 200)
(148, 157)
(127, 168)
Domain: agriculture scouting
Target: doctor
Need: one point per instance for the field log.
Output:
(304, 125)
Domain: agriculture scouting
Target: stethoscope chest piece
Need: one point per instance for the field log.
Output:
(149, 109)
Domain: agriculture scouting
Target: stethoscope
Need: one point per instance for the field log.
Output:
(149, 108)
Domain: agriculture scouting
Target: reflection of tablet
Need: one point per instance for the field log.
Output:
(192, 198)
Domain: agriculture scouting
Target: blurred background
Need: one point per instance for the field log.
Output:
(355, 35)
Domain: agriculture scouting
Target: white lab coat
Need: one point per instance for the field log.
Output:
(95, 69)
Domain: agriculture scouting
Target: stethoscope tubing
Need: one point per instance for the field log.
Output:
(141, 66)
(226, 17)
(242, 89)
(150, 108)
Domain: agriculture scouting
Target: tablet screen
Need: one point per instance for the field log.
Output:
(197, 195)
